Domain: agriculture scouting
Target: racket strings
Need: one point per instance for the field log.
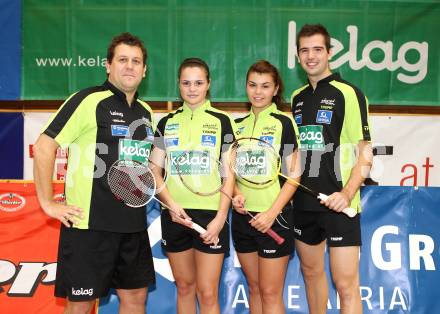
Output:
(205, 184)
(135, 185)
(254, 162)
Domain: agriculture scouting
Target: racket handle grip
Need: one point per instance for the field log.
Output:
(278, 239)
(350, 212)
(198, 228)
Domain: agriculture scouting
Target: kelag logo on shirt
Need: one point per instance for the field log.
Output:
(311, 137)
(251, 163)
(134, 150)
(192, 162)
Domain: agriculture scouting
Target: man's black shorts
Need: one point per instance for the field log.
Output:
(312, 227)
(247, 239)
(91, 262)
(179, 238)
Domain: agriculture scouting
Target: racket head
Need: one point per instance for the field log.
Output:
(254, 161)
(162, 166)
(204, 185)
(132, 182)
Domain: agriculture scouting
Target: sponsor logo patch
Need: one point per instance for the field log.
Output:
(120, 130)
(324, 116)
(59, 198)
(326, 107)
(311, 138)
(330, 102)
(115, 113)
(82, 291)
(11, 202)
(118, 120)
(171, 141)
(208, 140)
(150, 134)
(134, 150)
(272, 128)
(299, 119)
(172, 127)
(336, 239)
(251, 163)
(192, 162)
(267, 139)
(210, 126)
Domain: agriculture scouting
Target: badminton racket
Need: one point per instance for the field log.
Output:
(133, 183)
(208, 185)
(256, 162)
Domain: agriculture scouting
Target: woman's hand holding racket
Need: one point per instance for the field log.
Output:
(215, 185)
(213, 230)
(263, 221)
(256, 222)
(238, 204)
(179, 215)
(338, 201)
(133, 183)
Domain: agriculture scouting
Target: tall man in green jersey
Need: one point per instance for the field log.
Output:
(332, 118)
(103, 243)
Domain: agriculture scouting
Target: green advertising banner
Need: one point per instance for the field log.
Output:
(390, 49)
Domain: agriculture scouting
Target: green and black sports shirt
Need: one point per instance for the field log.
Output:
(99, 127)
(277, 129)
(195, 139)
(331, 119)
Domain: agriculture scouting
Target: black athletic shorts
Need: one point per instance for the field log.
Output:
(312, 227)
(179, 238)
(91, 262)
(247, 239)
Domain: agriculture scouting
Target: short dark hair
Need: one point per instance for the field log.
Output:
(312, 29)
(195, 63)
(128, 39)
(263, 66)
